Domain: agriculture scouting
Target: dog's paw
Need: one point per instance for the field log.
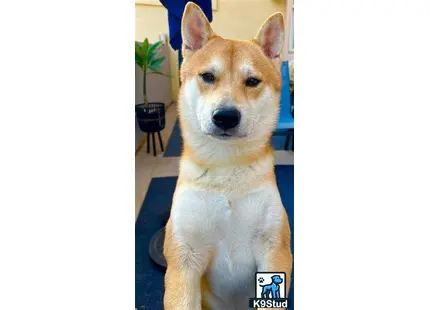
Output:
(261, 280)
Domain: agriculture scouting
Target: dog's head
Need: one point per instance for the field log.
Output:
(230, 89)
(277, 279)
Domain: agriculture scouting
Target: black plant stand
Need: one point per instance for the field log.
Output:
(152, 119)
(154, 146)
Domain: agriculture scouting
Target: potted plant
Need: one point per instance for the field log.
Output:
(150, 115)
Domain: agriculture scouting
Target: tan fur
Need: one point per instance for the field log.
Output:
(249, 161)
(236, 52)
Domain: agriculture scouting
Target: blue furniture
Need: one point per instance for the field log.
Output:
(285, 125)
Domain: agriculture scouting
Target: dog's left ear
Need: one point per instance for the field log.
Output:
(196, 30)
(271, 37)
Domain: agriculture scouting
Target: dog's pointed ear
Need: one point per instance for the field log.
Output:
(271, 37)
(196, 30)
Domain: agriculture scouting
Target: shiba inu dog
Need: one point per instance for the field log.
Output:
(227, 220)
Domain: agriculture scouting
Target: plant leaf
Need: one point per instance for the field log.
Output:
(139, 62)
(152, 56)
(155, 68)
(137, 48)
(137, 58)
(157, 62)
(138, 52)
(145, 46)
(153, 49)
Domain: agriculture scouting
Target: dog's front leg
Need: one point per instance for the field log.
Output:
(273, 251)
(185, 267)
(182, 289)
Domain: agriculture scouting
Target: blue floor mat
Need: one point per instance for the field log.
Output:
(174, 146)
(149, 277)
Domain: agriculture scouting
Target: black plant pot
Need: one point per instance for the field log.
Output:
(152, 119)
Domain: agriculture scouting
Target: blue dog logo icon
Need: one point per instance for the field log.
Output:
(272, 295)
(271, 290)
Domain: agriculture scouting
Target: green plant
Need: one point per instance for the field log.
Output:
(146, 59)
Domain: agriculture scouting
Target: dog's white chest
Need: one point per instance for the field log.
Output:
(227, 229)
(231, 272)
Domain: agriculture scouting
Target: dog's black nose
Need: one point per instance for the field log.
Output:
(226, 118)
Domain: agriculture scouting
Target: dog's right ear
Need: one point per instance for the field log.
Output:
(196, 30)
(271, 36)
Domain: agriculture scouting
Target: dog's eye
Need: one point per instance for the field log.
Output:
(252, 82)
(208, 77)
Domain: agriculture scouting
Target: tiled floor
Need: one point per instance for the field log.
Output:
(148, 167)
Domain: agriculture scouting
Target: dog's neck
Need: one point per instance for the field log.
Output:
(225, 165)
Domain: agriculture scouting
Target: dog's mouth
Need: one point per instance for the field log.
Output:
(226, 136)
(222, 136)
